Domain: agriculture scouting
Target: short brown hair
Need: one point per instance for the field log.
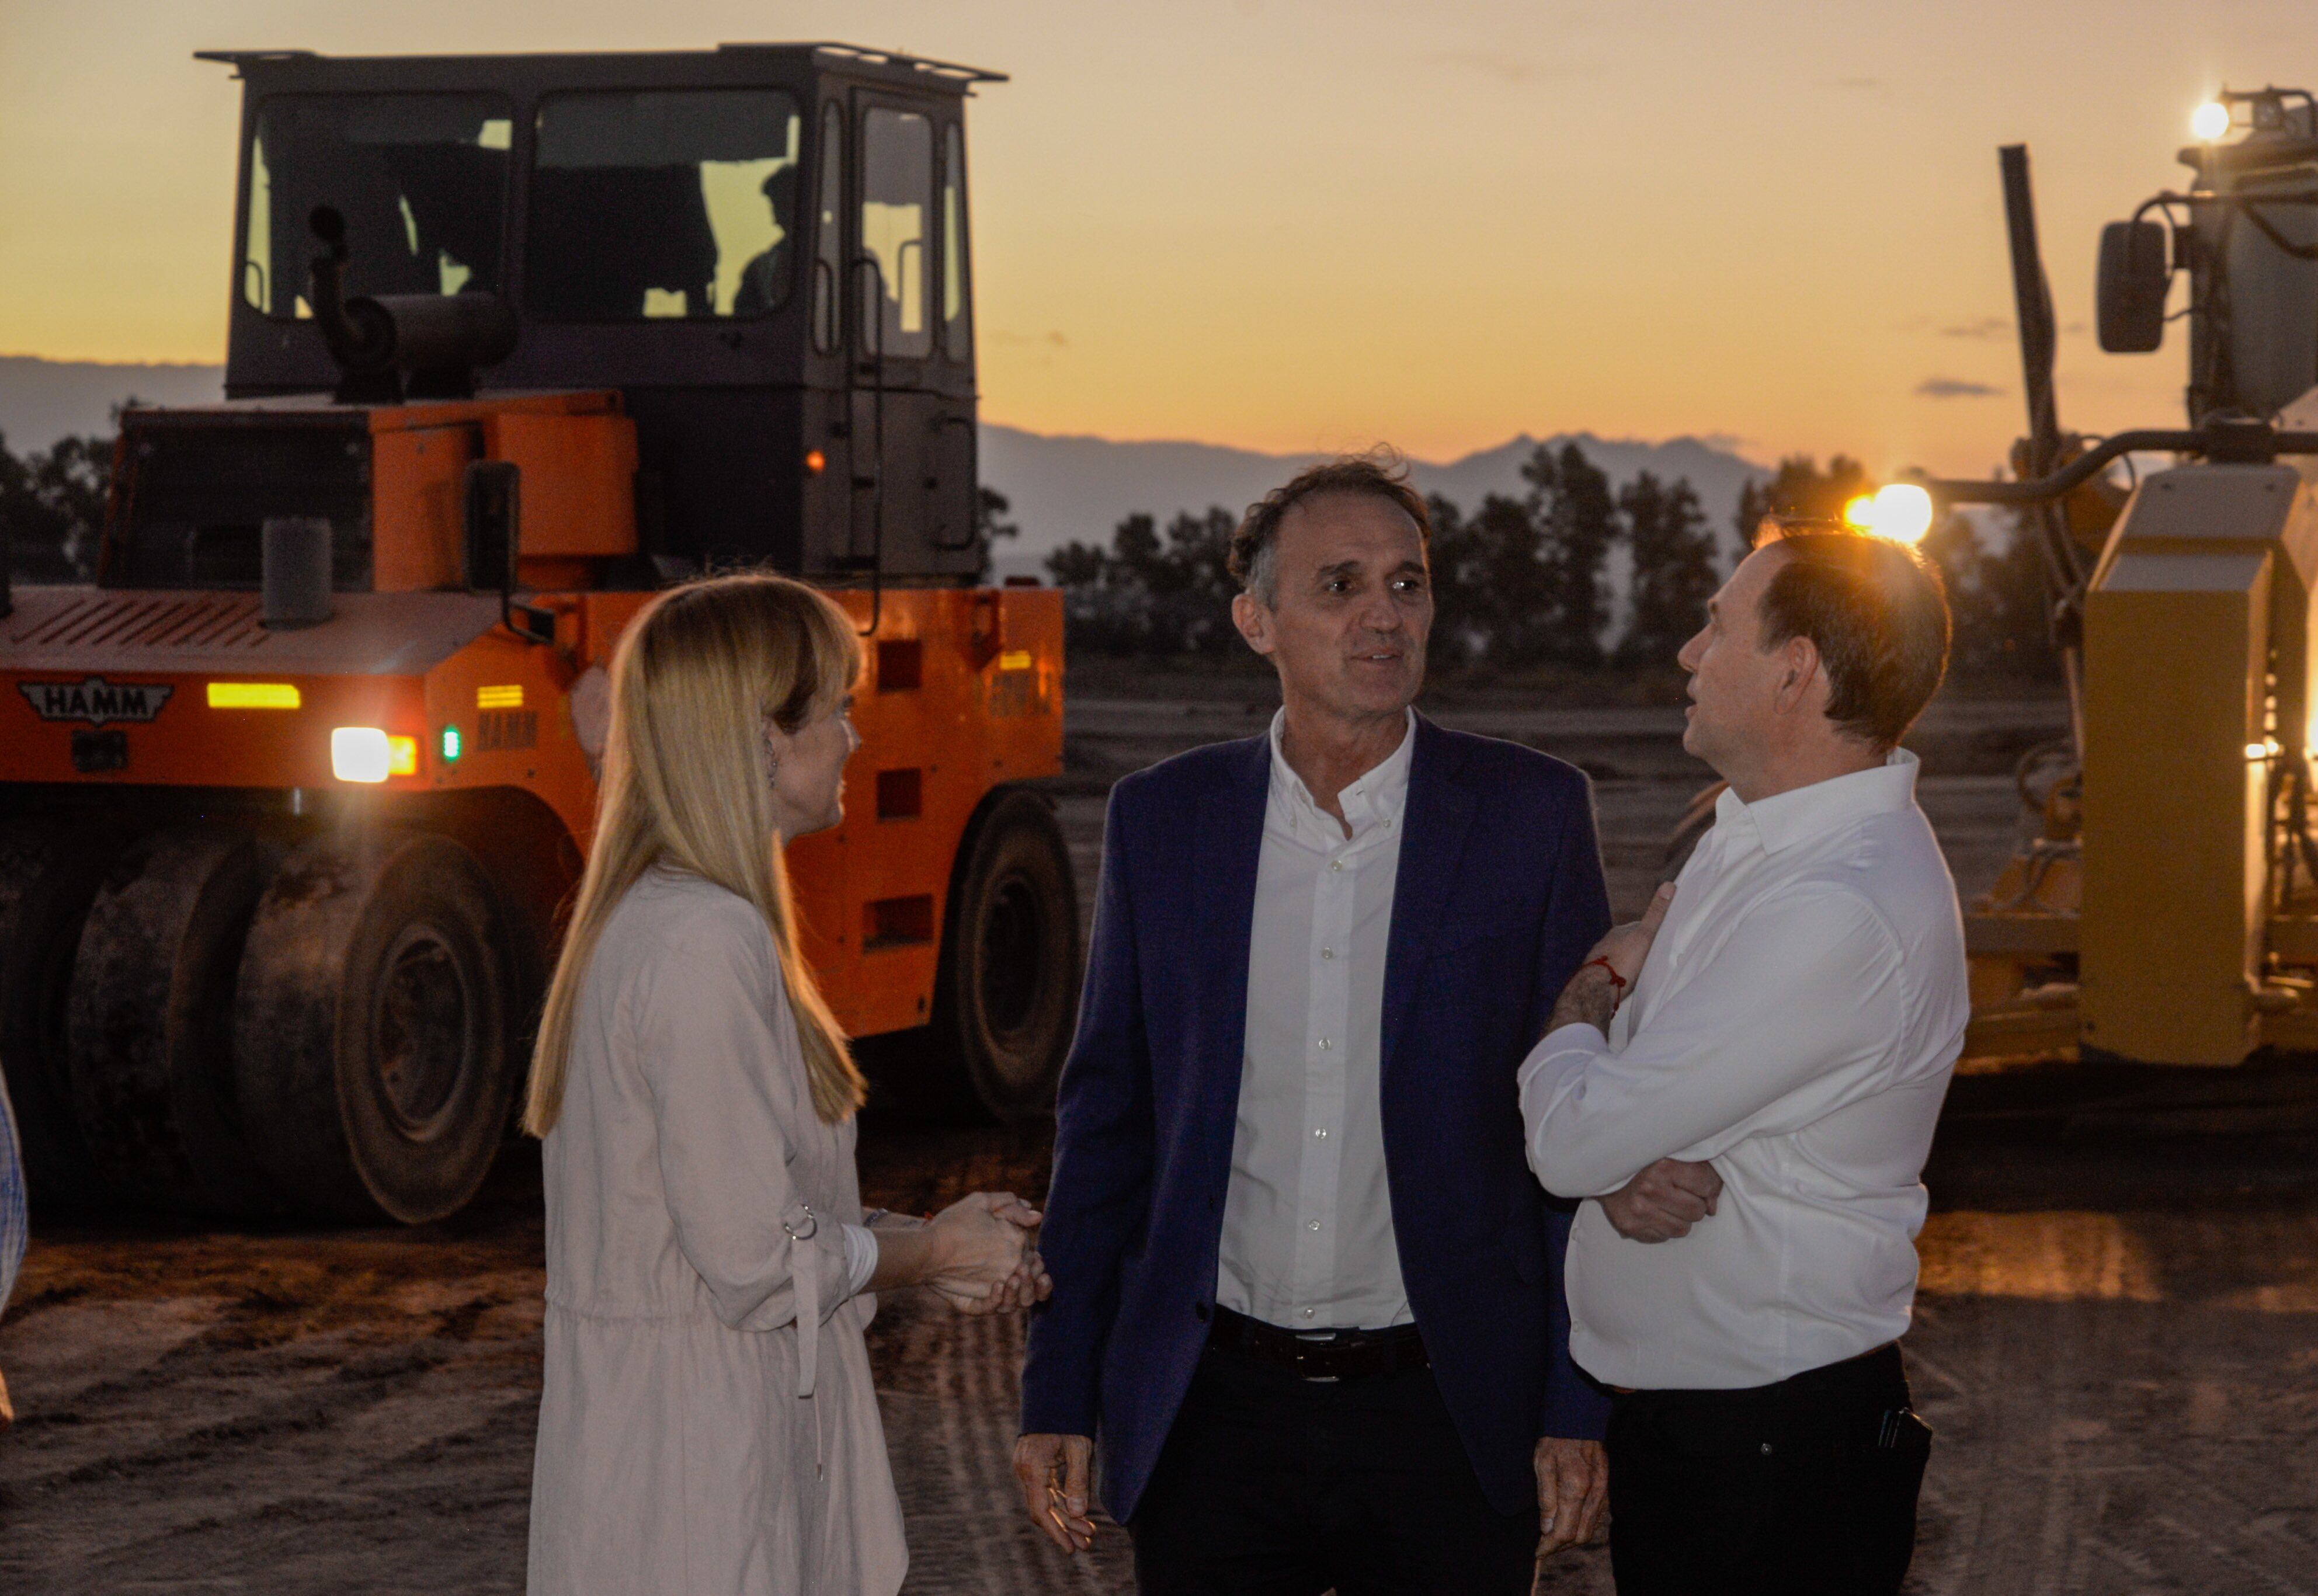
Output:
(1878, 614)
(1380, 473)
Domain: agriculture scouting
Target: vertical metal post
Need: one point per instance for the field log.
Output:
(2032, 301)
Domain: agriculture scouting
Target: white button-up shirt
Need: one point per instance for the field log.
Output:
(1307, 1239)
(1795, 1023)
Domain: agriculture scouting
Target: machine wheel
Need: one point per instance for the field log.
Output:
(150, 1021)
(1006, 993)
(48, 876)
(370, 1029)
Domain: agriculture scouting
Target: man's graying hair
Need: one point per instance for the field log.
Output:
(1380, 473)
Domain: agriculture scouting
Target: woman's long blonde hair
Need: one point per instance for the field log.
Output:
(684, 786)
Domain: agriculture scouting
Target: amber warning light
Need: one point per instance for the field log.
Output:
(815, 463)
(253, 695)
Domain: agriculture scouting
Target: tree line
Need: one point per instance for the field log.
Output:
(1521, 582)
(52, 509)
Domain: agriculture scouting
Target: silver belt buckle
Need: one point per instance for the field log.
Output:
(1305, 1348)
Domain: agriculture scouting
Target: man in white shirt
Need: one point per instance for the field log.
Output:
(1753, 1122)
(1304, 1288)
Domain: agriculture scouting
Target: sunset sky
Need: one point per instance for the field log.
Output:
(1299, 226)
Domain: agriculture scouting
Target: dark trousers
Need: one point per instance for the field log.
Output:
(1277, 1485)
(1804, 1488)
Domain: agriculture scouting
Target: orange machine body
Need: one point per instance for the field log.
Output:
(146, 688)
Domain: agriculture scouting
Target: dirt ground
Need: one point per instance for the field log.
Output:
(2116, 1340)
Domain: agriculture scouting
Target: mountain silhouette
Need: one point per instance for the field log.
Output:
(1061, 488)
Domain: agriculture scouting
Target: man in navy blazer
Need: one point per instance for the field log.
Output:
(1305, 1288)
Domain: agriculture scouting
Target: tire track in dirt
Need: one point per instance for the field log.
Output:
(2119, 1429)
(2121, 1356)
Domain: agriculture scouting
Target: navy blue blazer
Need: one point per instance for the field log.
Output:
(1499, 897)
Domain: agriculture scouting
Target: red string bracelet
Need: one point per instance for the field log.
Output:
(1616, 980)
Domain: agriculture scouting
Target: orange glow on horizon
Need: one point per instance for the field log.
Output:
(1296, 227)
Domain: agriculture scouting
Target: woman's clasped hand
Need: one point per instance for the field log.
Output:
(992, 1265)
(976, 1254)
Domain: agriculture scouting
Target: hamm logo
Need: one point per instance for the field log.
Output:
(95, 700)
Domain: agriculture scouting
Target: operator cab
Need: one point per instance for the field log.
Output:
(762, 248)
(2246, 233)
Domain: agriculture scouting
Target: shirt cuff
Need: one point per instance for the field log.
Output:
(1547, 1076)
(860, 1257)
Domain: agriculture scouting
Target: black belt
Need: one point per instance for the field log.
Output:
(1321, 1355)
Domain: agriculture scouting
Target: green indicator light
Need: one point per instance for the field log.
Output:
(450, 745)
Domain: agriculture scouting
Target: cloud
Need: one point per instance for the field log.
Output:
(1954, 388)
(1986, 327)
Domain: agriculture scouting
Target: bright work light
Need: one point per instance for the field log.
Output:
(366, 754)
(359, 754)
(1900, 511)
(2210, 121)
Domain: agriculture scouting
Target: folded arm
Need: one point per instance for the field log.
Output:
(1802, 993)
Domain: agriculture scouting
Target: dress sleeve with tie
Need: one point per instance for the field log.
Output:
(730, 1100)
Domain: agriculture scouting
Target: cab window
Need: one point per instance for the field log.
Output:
(829, 245)
(958, 302)
(897, 193)
(663, 203)
(421, 180)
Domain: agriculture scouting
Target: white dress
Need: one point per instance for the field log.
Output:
(677, 1453)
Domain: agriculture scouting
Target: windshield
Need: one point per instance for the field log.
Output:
(421, 180)
(652, 203)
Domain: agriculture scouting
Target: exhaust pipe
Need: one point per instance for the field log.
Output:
(293, 575)
(394, 347)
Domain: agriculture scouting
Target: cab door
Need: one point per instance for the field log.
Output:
(895, 416)
(952, 491)
(831, 487)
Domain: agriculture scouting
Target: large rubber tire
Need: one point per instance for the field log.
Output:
(370, 1029)
(1006, 991)
(150, 1021)
(48, 873)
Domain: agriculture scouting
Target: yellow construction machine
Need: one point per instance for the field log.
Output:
(2165, 909)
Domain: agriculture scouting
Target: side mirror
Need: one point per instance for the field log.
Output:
(492, 522)
(2131, 291)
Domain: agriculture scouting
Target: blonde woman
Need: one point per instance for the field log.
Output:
(708, 1425)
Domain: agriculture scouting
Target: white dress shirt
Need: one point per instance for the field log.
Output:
(1795, 1023)
(1307, 1239)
